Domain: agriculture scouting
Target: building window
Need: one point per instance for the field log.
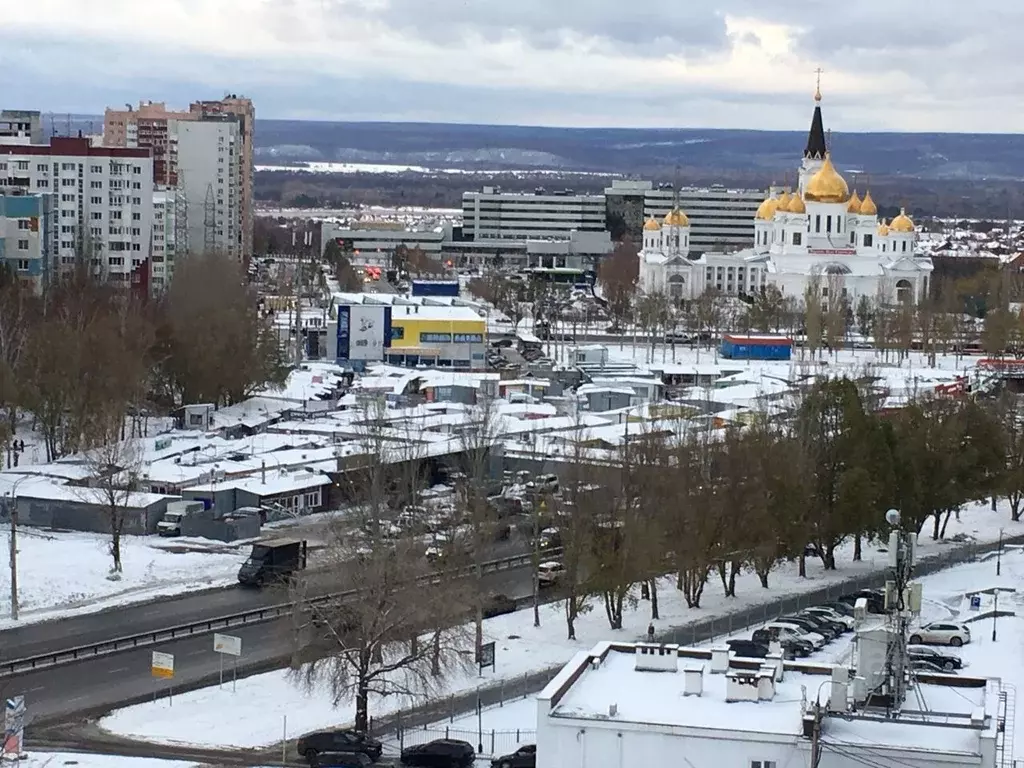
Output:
(96, 169)
(96, 184)
(311, 499)
(904, 246)
(23, 245)
(68, 182)
(67, 167)
(869, 240)
(828, 224)
(762, 764)
(817, 223)
(136, 216)
(42, 183)
(95, 215)
(22, 265)
(797, 238)
(23, 224)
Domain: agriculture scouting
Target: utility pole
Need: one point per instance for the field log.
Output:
(999, 556)
(899, 605)
(13, 509)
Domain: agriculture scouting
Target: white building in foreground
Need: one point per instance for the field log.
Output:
(626, 705)
(821, 231)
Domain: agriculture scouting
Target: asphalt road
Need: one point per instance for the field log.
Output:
(97, 684)
(48, 637)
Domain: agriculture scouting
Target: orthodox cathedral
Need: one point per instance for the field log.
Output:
(820, 230)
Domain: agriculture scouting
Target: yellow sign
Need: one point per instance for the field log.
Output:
(162, 665)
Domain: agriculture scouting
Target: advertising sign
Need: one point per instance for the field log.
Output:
(229, 644)
(163, 664)
(363, 332)
(14, 727)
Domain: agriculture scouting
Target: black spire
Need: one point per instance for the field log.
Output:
(816, 145)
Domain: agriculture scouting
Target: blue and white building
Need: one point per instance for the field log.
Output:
(26, 222)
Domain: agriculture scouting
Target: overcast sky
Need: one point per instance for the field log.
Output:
(897, 65)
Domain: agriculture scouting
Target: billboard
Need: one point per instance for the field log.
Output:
(364, 332)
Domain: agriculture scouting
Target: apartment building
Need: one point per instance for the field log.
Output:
(102, 200)
(164, 238)
(26, 221)
(495, 215)
(153, 125)
(208, 160)
(21, 126)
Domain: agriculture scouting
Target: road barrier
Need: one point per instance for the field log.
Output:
(244, 618)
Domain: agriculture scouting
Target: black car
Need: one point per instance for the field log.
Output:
(846, 609)
(341, 760)
(440, 753)
(498, 605)
(834, 626)
(748, 649)
(524, 757)
(339, 740)
(875, 600)
(790, 647)
(945, 661)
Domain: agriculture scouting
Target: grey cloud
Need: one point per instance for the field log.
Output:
(693, 28)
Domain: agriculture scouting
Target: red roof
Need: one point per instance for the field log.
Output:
(72, 147)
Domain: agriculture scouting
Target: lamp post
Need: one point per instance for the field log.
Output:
(999, 555)
(11, 499)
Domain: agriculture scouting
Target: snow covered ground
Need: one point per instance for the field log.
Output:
(86, 760)
(152, 567)
(263, 701)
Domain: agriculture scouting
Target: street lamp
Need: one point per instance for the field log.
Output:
(11, 499)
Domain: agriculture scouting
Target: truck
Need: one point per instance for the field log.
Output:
(170, 523)
(273, 561)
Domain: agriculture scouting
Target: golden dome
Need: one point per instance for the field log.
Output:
(651, 225)
(784, 202)
(676, 218)
(902, 223)
(883, 229)
(767, 209)
(827, 186)
(854, 205)
(868, 207)
(796, 204)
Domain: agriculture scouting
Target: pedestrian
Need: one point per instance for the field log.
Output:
(650, 632)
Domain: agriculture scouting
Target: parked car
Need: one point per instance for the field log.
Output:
(836, 628)
(923, 665)
(810, 627)
(440, 753)
(524, 757)
(832, 615)
(341, 760)
(748, 649)
(946, 661)
(843, 609)
(339, 740)
(783, 631)
(941, 633)
(498, 605)
(875, 599)
(791, 646)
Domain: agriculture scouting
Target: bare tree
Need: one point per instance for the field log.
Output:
(399, 636)
(115, 468)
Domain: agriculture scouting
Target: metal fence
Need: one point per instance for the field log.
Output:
(486, 742)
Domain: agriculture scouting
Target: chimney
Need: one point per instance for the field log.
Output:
(719, 660)
(693, 682)
(775, 660)
(613, 710)
(838, 700)
(766, 683)
(656, 658)
(740, 686)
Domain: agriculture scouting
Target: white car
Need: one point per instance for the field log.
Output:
(829, 615)
(549, 573)
(786, 631)
(941, 633)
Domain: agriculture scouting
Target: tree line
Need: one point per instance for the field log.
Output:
(88, 358)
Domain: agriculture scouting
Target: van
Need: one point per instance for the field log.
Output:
(550, 573)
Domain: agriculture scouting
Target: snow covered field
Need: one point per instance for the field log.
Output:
(86, 760)
(153, 567)
(261, 702)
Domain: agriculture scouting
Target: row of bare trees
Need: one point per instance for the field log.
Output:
(695, 503)
(85, 355)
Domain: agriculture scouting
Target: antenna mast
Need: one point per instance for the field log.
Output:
(209, 221)
(902, 601)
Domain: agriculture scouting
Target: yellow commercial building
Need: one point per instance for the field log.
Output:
(437, 335)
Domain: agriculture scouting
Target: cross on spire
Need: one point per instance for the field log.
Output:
(817, 87)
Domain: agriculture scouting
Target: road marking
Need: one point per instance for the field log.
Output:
(122, 669)
(37, 688)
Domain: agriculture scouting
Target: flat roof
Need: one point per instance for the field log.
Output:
(656, 698)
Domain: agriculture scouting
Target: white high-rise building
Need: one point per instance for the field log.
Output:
(164, 220)
(209, 178)
(496, 215)
(102, 202)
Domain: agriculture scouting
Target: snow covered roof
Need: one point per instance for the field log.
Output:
(275, 483)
